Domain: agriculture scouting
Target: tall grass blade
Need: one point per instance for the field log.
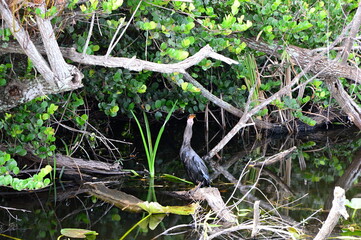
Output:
(142, 134)
(135, 225)
(148, 143)
(162, 129)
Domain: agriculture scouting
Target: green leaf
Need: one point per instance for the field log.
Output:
(95, 48)
(158, 115)
(16, 170)
(228, 21)
(77, 233)
(355, 203)
(116, 4)
(147, 107)
(180, 55)
(158, 104)
(154, 207)
(83, 8)
(235, 7)
(142, 89)
(176, 179)
(149, 25)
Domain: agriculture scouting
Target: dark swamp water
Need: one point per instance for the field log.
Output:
(299, 185)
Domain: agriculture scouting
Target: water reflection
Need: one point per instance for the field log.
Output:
(321, 161)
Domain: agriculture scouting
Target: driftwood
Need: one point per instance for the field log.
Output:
(127, 202)
(214, 200)
(122, 200)
(338, 209)
(89, 166)
(79, 166)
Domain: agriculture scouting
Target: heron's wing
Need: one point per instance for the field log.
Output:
(202, 168)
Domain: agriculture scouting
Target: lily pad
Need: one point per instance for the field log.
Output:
(152, 222)
(154, 208)
(77, 233)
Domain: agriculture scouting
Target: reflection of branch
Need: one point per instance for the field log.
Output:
(278, 181)
(274, 158)
(349, 176)
(352, 172)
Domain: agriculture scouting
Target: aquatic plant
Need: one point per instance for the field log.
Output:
(354, 204)
(149, 147)
(9, 167)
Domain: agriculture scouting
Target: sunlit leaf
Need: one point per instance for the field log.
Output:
(235, 7)
(77, 233)
(154, 207)
(355, 203)
(154, 220)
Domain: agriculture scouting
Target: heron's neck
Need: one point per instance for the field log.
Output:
(187, 135)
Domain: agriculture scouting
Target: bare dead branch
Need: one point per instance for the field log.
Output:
(338, 209)
(256, 214)
(58, 65)
(26, 44)
(356, 23)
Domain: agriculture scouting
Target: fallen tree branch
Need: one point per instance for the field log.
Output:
(214, 200)
(303, 57)
(222, 104)
(338, 209)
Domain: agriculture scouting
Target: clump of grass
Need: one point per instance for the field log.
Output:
(149, 147)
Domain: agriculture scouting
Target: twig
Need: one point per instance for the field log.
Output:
(166, 232)
(256, 214)
(111, 46)
(89, 34)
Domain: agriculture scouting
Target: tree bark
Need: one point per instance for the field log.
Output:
(338, 209)
(60, 77)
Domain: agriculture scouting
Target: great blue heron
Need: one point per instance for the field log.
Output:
(196, 168)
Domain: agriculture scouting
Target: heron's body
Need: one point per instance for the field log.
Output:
(196, 168)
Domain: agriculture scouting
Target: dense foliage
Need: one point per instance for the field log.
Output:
(168, 32)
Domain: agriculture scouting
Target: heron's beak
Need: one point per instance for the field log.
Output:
(191, 116)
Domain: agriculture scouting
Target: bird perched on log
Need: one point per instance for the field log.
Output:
(196, 168)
